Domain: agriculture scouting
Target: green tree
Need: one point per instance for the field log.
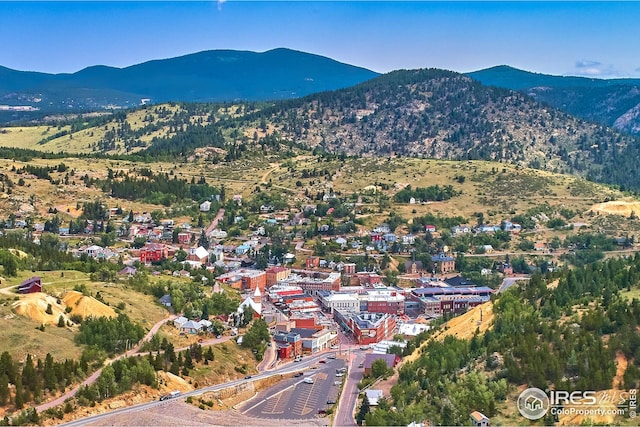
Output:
(61, 321)
(379, 369)
(4, 389)
(19, 399)
(365, 408)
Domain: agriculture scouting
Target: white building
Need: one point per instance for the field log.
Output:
(342, 302)
(205, 206)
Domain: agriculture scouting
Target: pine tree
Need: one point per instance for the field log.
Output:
(19, 399)
(49, 373)
(61, 321)
(4, 389)
(364, 410)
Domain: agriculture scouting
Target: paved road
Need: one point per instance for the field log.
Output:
(93, 377)
(508, 282)
(349, 398)
(293, 398)
(288, 369)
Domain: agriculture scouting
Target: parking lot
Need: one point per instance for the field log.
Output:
(293, 398)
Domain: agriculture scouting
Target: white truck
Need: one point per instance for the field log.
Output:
(171, 395)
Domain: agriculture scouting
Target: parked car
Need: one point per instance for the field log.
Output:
(308, 380)
(322, 361)
(339, 374)
(331, 402)
(297, 374)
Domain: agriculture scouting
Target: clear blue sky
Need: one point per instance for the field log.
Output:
(598, 39)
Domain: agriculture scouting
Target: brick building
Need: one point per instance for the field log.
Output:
(153, 252)
(366, 328)
(275, 274)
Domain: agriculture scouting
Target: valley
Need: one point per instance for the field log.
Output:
(448, 242)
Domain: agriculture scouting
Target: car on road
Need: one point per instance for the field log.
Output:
(247, 377)
(308, 380)
(331, 356)
(360, 365)
(297, 374)
(322, 361)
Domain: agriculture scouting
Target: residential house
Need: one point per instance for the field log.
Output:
(205, 206)
(408, 239)
(382, 229)
(127, 271)
(191, 327)
(460, 229)
(374, 395)
(479, 419)
(443, 263)
(166, 300)
(94, 251)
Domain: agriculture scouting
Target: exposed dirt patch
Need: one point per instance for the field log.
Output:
(34, 306)
(463, 327)
(621, 367)
(618, 207)
(86, 306)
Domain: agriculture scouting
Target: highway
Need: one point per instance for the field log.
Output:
(288, 369)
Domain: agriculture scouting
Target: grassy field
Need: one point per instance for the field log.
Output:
(634, 293)
(19, 336)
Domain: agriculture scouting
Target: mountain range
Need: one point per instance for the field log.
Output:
(216, 75)
(228, 75)
(612, 102)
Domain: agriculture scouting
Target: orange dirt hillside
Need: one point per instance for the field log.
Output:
(463, 326)
(34, 306)
(86, 306)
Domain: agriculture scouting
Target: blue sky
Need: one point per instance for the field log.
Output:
(597, 39)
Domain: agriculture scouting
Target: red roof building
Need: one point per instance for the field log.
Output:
(31, 285)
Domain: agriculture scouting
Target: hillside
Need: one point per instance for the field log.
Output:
(612, 102)
(417, 113)
(441, 114)
(216, 75)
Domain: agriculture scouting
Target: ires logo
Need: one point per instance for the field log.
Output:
(533, 403)
(577, 398)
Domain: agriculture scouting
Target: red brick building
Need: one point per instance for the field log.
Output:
(274, 274)
(367, 328)
(288, 345)
(313, 262)
(153, 252)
